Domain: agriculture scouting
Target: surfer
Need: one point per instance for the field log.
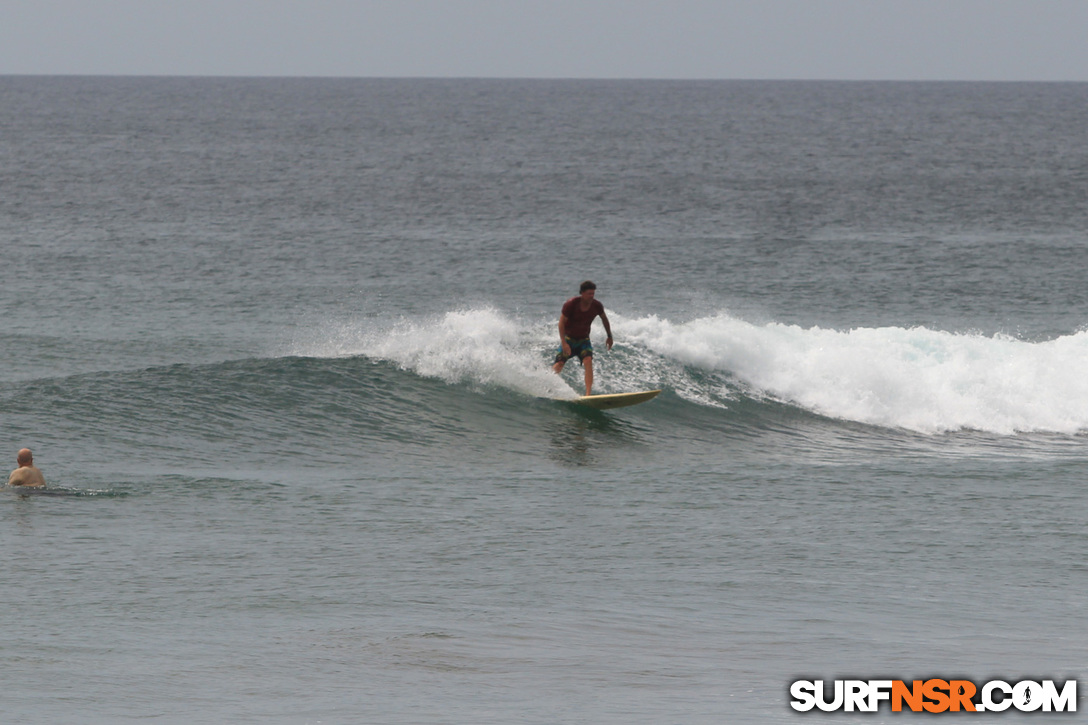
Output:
(574, 323)
(27, 474)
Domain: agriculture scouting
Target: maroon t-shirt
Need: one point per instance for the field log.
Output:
(579, 320)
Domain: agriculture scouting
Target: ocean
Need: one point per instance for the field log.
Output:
(282, 348)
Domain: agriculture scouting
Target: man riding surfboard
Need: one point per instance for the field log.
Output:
(575, 321)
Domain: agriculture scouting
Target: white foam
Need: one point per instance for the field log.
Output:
(477, 346)
(919, 379)
(915, 378)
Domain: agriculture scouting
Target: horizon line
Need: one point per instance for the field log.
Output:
(662, 79)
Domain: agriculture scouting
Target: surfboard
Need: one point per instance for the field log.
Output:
(616, 400)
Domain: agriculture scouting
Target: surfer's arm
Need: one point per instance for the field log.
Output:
(563, 334)
(607, 329)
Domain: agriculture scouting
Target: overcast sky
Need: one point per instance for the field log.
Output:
(1005, 40)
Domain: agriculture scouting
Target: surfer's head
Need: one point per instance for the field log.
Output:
(25, 457)
(587, 290)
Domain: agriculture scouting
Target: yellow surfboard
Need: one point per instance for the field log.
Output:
(616, 400)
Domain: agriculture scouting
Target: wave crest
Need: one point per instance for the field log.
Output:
(914, 378)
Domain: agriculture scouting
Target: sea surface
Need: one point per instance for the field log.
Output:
(281, 348)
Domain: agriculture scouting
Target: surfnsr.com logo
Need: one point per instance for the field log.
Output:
(934, 695)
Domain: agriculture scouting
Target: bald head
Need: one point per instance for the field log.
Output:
(25, 457)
